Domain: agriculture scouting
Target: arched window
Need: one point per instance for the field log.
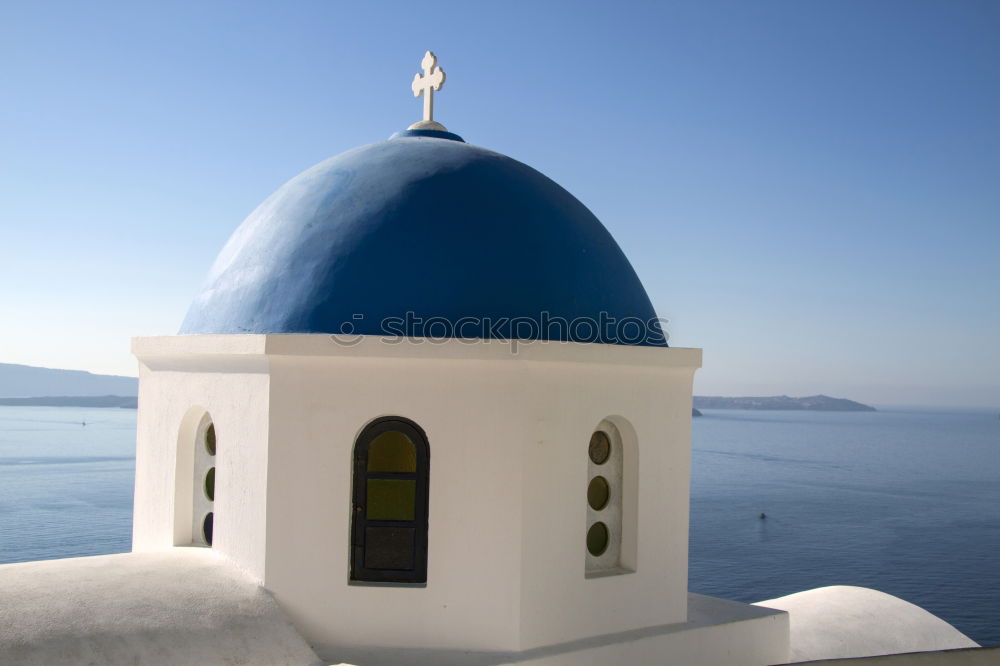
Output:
(611, 499)
(389, 517)
(203, 484)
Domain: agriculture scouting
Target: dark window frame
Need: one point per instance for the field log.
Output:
(359, 573)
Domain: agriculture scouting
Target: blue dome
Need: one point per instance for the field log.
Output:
(425, 235)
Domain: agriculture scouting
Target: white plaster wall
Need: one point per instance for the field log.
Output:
(717, 633)
(508, 436)
(173, 391)
(560, 603)
(319, 406)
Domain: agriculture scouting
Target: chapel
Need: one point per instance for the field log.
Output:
(422, 411)
(424, 398)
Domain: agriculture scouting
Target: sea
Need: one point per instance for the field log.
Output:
(906, 501)
(903, 501)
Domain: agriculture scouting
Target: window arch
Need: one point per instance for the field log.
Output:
(203, 482)
(612, 477)
(389, 512)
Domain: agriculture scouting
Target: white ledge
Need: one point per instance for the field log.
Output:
(165, 352)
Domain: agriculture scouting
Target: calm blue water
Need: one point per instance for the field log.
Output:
(904, 502)
(65, 488)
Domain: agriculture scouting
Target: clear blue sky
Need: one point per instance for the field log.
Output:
(810, 191)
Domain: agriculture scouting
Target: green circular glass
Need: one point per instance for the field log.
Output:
(598, 493)
(210, 484)
(600, 447)
(210, 439)
(597, 539)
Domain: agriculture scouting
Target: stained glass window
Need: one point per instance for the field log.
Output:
(605, 503)
(389, 520)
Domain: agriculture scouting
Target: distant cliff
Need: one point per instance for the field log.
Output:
(22, 381)
(816, 403)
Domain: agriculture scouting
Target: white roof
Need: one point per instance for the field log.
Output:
(183, 606)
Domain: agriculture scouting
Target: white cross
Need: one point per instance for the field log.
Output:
(431, 80)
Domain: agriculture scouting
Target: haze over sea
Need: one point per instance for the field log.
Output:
(907, 502)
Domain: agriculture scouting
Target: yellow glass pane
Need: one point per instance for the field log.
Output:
(392, 451)
(391, 499)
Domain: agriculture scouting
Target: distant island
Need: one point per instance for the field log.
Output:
(24, 385)
(125, 402)
(814, 403)
(29, 386)
(24, 381)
